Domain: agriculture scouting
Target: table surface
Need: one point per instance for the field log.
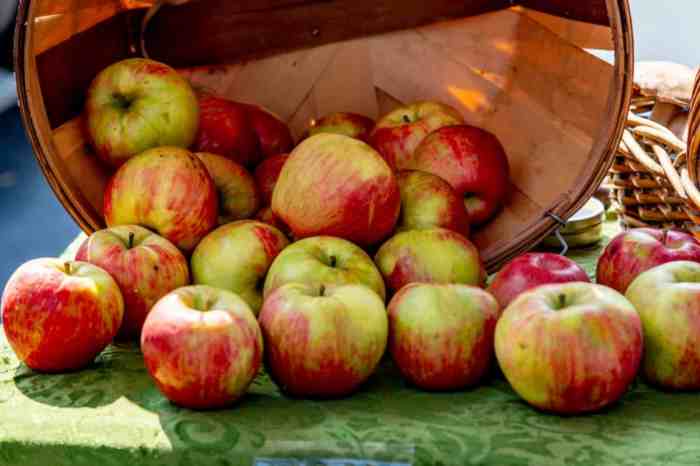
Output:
(111, 414)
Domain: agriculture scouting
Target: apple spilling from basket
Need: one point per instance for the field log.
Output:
(228, 248)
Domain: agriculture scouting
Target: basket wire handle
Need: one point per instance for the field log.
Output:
(562, 223)
(147, 19)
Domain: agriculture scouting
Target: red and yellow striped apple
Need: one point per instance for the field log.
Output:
(397, 135)
(138, 104)
(635, 251)
(667, 299)
(266, 215)
(569, 348)
(145, 266)
(532, 270)
(435, 255)
(236, 257)
(238, 195)
(266, 175)
(428, 201)
(202, 347)
(323, 342)
(348, 124)
(324, 260)
(473, 161)
(335, 185)
(59, 315)
(441, 336)
(166, 189)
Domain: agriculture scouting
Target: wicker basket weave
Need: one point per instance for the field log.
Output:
(652, 182)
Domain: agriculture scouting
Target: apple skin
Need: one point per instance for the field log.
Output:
(348, 124)
(266, 215)
(334, 185)
(202, 346)
(59, 315)
(225, 128)
(236, 257)
(532, 270)
(266, 175)
(238, 194)
(323, 342)
(473, 161)
(441, 336)
(145, 266)
(166, 189)
(324, 260)
(397, 135)
(428, 201)
(634, 251)
(273, 134)
(436, 255)
(569, 348)
(667, 298)
(138, 104)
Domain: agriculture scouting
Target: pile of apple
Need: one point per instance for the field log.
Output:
(228, 246)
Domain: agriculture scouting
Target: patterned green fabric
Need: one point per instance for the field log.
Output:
(111, 415)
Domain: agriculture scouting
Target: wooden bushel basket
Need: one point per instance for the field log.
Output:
(515, 68)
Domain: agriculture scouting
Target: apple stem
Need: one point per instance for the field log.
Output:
(322, 291)
(131, 240)
(562, 301)
(406, 119)
(333, 261)
(67, 267)
(663, 238)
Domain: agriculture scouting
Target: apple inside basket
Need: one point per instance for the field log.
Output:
(517, 72)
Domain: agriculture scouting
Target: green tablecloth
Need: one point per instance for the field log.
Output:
(111, 414)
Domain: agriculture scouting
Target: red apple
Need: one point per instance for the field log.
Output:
(428, 201)
(569, 348)
(348, 124)
(145, 266)
(236, 257)
(333, 185)
(238, 195)
(472, 161)
(166, 189)
(266, 215)
(397, 135)
(436, 255)
(635, 251)
(266, 175)
(202, 347)
(273, 134)
(139, 104)
(532, 270)
(225, 128)
(59, 315)
(323, 342)
(441, 336)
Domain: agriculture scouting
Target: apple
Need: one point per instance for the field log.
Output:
(323, 342)
(236, 256)
(138, 104)
(59, 315)
(349, 124)
(441, 336)
(667, 298)
(569, 348)
(273, 134)
(225, 128)
(335, 185)
(397, 135)
(202, 346)
(266, 215)
(532, 270)
(266, 175)
(324, 260)
(635, 251)
(472, 160)
(145, 266)
(436, 255)
(238, 195)
(166, 189)
(428, 201)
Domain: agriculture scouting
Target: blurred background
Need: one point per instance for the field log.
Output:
(34, 224)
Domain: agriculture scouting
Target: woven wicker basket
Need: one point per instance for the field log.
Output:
(516, 68)
(653, 182)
